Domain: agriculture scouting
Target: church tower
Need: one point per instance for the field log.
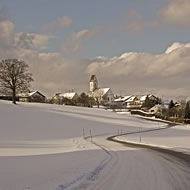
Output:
(93, 83)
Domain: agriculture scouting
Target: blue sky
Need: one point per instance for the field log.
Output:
(29, 16)
(72, 39)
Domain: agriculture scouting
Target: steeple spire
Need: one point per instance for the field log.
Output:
(93, 83)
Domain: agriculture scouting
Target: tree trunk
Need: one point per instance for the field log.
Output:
(98, 103)
(14, 96)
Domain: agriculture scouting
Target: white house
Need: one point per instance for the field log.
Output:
(34, 96)
(121, 101)
(70, 95)
(156, 109)
(60, 96)
(133, 102)
(139, 100)
(103, 96)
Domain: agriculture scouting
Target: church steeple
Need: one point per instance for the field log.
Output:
(93, 83)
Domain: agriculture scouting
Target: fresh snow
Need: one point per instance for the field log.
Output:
(42, 148)
(175, 138)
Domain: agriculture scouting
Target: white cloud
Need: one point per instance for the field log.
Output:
(74, 42)
(62, 22)
(9, 39)
(139, 72)
(32, 40)
(175, 46)
(177, 13)
(6, 33)
(174, 61)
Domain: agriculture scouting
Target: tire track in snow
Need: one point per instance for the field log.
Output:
(86, 180)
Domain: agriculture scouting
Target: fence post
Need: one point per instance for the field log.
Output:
(83, 133)
(91, 135)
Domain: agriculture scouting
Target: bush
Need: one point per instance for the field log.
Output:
(138, 112)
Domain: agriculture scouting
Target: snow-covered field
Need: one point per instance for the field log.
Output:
(42, 148)
(176, 138)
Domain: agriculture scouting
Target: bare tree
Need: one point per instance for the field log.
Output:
(98, 96)
(14, 77)
(182, 100)
(85, 101)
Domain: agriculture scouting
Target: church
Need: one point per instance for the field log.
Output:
(103, 96)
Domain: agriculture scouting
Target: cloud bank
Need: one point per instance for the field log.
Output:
(134, 72)
(165, 74)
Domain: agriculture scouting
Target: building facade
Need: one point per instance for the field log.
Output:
(102, 96)
(34, 96)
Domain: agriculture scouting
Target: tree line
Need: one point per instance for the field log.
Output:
(82, 100)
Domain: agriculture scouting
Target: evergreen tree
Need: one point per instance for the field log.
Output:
(171, 105)
(149, 103)
(187, 110)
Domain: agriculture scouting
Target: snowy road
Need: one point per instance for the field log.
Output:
(136, 169)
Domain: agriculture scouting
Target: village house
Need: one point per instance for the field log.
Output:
(59, 97)
(7, 97)
(103, 96)
(133, 101)
(121, 102)
(156, 109)
(138, 101)
(34, 96)
(145, 97)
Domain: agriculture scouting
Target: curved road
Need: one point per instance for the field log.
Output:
(139, 167)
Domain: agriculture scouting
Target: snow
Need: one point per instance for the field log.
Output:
(122, 99)
(42, 148)
(101, 91)
(175, 138)
(32, 93)
(131, 99)
(69, 95)
(143, 98)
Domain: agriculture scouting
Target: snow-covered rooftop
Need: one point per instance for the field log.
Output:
(143, 98)
(122, 99)
(131, 99)
(101, 91)
(69, 95)
(28, 94)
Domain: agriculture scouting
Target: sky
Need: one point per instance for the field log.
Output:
(134, 47)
